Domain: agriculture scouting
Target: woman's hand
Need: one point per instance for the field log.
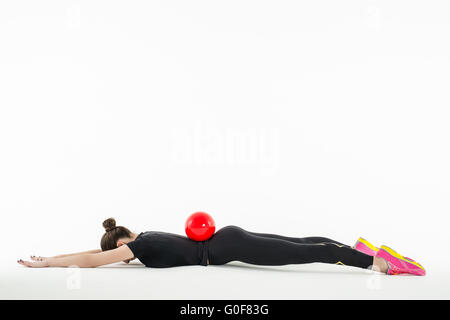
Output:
(34, 264)
(38, 258)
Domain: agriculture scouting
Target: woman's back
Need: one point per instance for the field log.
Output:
(159, 249)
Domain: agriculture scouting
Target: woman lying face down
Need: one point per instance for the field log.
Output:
(159, 249)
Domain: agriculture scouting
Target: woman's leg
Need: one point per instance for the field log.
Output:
(232, 243)
(298, 240)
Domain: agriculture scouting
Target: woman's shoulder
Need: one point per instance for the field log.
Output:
(157, 234)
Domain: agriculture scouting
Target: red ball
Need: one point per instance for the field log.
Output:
(200, 226)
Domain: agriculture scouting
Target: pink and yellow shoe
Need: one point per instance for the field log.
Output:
(364, 246)
(398, 264)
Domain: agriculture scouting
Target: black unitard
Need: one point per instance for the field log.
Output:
(232, 243)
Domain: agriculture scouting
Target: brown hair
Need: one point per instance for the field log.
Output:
(112, 234)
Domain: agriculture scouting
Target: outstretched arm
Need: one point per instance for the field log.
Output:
(40, 258)
(78, 253)
(83, 260)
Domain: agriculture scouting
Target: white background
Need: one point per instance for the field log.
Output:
(325, 118)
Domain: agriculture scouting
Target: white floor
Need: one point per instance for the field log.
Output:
(232, 281)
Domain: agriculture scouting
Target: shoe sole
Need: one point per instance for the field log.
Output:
(399, 256)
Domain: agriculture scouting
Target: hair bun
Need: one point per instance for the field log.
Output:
(109, 224)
